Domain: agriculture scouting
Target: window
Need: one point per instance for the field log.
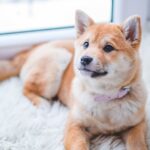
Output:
(33, 15)
(24, 23)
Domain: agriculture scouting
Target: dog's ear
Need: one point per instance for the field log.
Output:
(132, 30)
(82, 22)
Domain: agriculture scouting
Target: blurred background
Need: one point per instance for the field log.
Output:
(23, 15)
(24, 23)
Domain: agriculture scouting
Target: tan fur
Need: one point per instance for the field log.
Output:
(48, 71)
(135, 138)
(9, 68)
(42, 75)
(76, 137)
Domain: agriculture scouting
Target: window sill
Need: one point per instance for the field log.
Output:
(10, 44)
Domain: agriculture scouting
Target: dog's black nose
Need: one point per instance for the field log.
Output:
(86, 60)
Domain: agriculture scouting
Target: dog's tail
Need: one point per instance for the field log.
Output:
(9, 68)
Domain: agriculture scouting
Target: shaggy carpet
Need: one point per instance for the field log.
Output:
(25, 127)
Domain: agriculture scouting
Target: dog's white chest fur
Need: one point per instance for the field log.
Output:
(106, 117)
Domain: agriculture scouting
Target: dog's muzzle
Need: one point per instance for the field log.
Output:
(89, 68)
(92, 73)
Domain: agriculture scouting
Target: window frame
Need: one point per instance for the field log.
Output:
(27, 38)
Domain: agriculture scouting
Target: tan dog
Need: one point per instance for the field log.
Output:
(102, 86)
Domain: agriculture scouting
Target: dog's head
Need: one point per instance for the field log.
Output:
(106, 51)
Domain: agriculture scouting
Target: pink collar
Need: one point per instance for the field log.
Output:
(121, 93)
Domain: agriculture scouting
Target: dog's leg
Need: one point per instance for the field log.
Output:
(32, 96)
(9, 68)
(75, 137)
(135, 138)
(42, 76)
(32, 89)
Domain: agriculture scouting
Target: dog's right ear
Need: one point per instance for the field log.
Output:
(82, 22)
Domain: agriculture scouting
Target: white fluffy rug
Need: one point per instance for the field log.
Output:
(25, 127)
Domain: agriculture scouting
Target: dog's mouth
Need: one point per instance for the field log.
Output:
(92, 73)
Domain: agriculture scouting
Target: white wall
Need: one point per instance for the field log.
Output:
(148, 11)
(125, 8)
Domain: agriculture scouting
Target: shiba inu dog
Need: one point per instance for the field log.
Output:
(98, 76)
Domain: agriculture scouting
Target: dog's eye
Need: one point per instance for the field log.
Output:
(85, 45)
(108, 48)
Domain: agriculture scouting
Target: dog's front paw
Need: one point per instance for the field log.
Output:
(137, 147)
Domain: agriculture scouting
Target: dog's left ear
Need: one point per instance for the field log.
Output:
(82, 22)
(132, 30)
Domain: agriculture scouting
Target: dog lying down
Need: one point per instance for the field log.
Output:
(98, 76)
